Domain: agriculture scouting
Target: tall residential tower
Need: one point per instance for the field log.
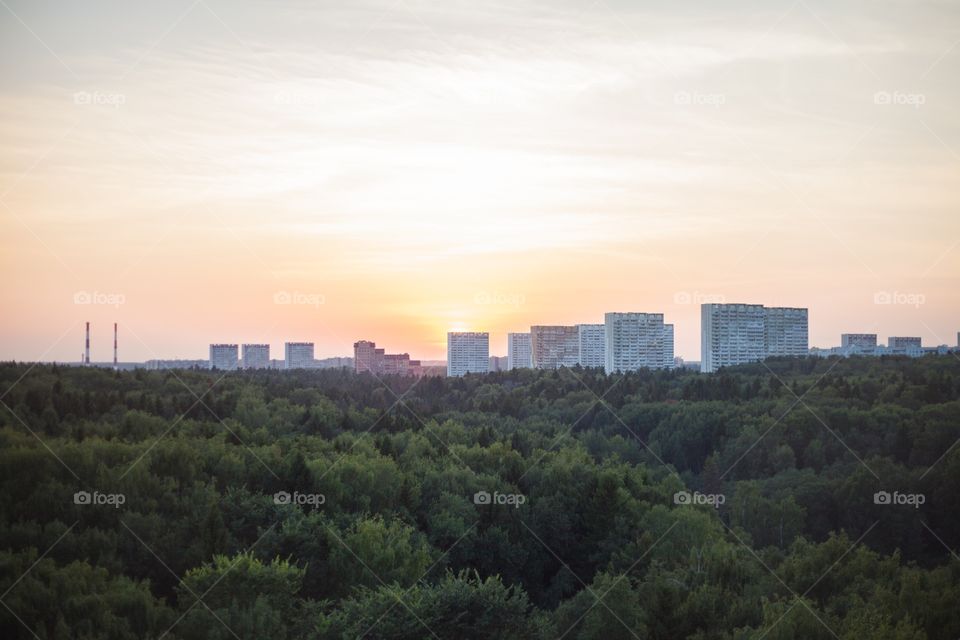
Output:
(256, 356)
(785, 332)
(592, 347)
(223, 357)
(467, 352)
(297, 355)
(637, 341)
(518, 351)
(554, 346)
(732, 334)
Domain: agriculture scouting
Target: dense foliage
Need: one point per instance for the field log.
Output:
(387, 532)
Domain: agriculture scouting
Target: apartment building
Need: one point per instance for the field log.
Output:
(467, 352)
(635, 341)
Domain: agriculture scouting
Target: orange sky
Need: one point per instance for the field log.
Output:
(397, 171)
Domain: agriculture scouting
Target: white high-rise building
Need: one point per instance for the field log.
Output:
(223, 357)
(467, 352)
(256, 356)
(636, 341)
(669, 361)
(592, 345)
(297, 355)
(785, 331)
(518, 351)
(554, 346)
(732, 334)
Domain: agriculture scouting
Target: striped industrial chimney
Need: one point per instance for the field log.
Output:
(114, 345)
(86, 351)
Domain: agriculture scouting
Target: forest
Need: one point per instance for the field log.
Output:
(789, 499)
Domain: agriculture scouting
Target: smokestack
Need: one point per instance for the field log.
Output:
(86, 351)
(114, 345)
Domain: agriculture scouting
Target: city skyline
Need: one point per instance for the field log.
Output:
(431, 348)
(586, 343)
(219, 172)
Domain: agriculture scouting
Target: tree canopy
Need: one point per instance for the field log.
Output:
(794, 498)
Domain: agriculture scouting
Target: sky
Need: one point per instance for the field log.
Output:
(265, 171)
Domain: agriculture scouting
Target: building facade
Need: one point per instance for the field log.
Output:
(732, 334)
(785, 331)
(467, 352)
(669, 362)
(298, 355)
(858, 341)
(256, 356)
(400, 364)
(592, 347)
(224, 357)
(368, 358)
(635, 341)
(519, 355)
(554, 346)
(904, 343)
(497, 363)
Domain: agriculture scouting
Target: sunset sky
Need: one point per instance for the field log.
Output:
(395, 169)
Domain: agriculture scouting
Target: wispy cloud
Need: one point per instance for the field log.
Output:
(363, 139)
